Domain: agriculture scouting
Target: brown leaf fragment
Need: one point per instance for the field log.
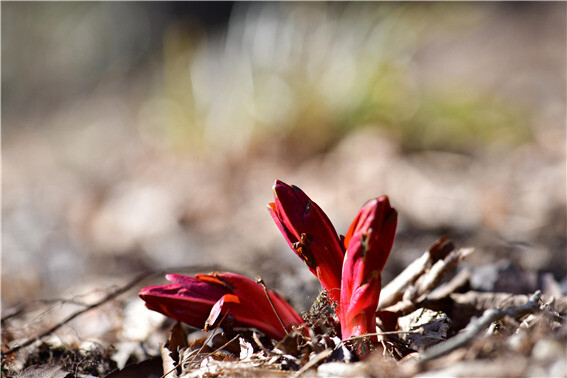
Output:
(169, 364)
(177, 340)
(290, 344)
(425, 328)
(220, 342)
(171, 351)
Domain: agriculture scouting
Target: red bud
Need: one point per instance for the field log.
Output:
(310, 234)
(368, 244)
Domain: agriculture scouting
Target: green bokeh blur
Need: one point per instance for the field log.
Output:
(300, 74)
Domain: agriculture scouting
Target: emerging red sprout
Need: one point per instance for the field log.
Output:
(352, 279)
(199, 301)
(368, 244)
(310, 234)
(357, 273)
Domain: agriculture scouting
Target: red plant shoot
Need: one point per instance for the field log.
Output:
(199, 301)
(368, 244)
(310, 234)
(350, 271)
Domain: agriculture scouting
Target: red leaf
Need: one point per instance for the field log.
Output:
(368, 243)
(310, 234)
(200, 300)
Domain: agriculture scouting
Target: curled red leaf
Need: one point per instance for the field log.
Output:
(310, 234)
(200, 300)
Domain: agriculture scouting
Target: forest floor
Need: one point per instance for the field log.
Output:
(431, 321)
(489, 304)
(96, 207)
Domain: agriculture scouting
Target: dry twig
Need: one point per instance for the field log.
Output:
(394, 291)
(477, 326)
(121, 290)
(419, 282)
(260, 281)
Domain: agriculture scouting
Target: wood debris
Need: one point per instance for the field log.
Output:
(430, 323)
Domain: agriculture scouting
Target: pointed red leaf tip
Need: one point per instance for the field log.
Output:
(201, 300)
(368, 244)
(310, 234)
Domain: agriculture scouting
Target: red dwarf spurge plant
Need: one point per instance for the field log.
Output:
(199, 301)
(368, 243)
(349, 270)
(354, 265)
(310, 234)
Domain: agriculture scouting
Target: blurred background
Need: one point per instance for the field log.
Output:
(148, 135)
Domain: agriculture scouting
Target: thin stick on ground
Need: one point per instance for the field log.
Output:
(209, 338)
(479, 325)
(23, 307)
(221, 347)
(380, 334)
(261, 282)
(135, 281)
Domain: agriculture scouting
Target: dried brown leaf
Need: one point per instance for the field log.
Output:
(169, 364)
